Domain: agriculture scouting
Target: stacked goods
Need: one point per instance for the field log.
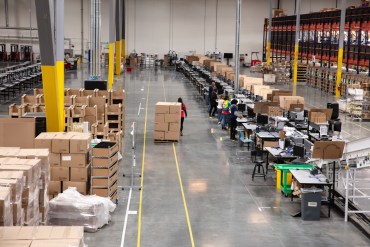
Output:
(104, 174)
(250, 81)
(93, 106)
(28, 213)
(41, 236)
(167, 121)
(6, 209)
(319, 115)
(69, 160)
(191, 59)
(286, 101)
(275, 111)
(70, 208)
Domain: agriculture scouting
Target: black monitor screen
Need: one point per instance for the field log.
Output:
(250, 112)
(241, 107)
(228, 55)
(298, 151)
(262, 119)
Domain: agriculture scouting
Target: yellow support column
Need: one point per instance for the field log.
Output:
(339, 73)
(110, 66)
(60, 93)
(268, 60)
(340, 48)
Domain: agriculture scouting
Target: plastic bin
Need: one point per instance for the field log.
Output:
(311, 203)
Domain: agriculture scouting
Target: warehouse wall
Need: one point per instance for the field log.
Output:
(157, 26)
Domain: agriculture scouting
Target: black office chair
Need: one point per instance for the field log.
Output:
(257, 159)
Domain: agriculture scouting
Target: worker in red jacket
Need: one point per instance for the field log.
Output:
(183, 114)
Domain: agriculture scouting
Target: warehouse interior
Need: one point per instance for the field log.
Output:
(208, 123)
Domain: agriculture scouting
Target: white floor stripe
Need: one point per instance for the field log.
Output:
(126, 217)
(138, 113)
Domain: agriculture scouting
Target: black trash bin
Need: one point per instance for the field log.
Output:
(311, 203)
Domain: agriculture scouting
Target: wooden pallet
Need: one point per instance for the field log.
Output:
(164, 141)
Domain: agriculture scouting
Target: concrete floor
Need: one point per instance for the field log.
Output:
(224, 206)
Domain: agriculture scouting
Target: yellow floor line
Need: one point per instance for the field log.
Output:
(183, 197)
(138, 244)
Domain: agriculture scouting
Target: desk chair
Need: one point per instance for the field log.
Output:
(243, 140)
(257, 159)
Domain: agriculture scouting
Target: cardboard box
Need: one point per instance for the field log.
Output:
(159, 135)
(105, 192)
(172, 118)
(159, 118)
(75, 160)
(55, 187)
(328, 149)
(80, 186)
(161, 126)
(323, 115)
(15, 243)
(80, 174)
(57, 243)
(54, 160)
(172, 135)
(80, 143)
(175, 108)
(43, 140)
(60, 143)
(105, 149)
(27, 171)
(17, 132)
(162, 107)
(105, 182)
(104, 162)
(59, 173)
(275, 111)
(174, 127)
(263, 107)
(105, 172)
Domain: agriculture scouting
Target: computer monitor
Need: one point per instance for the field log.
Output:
(298, 151)
(241, 107)
(262, 119)
(228, 55)
(250, 112)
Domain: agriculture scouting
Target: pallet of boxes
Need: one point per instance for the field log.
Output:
(167, 122)
(69, 160)
(24, 179)
(104, 174)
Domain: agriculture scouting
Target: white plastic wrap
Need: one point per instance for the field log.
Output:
(71, 208)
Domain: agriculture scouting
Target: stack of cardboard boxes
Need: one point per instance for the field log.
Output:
(167, 121)
(104, 173)
(69, 160)
(42, 236)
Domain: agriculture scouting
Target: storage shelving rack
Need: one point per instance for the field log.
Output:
(319, 35)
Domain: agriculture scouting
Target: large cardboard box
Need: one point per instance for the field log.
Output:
(59, 173)
(80, 174)
(159, 118)
(104, 162)
(54, 159)
(105, 192)
(172, 118)
(172, 135)
(55, 187)
(75, 160)
(105, 149)
(328, 149)
(286, 101)
(27, 171)
(104, 181)
(80, 186)
(61, 142)
(174, 127)
(159, 135)
(105, 172)
(322, 115)
(161, 126)
(80, 143)
(17, 132)
(162, 107)
(175, 108)
(44, 139)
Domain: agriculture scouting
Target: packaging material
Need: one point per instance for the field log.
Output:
(105, 149)
(17, 132)
(320, 115)
(105, 172)
(55, 160)
(159, 135)
(263, 107)
(81, 187)
(15, 243)
(286, 101)
(275, 111)
(159, 118)
(72, 208)
(80, 174)
(161, 126)
(167, 121)
(55, 187)
(328, 149)
(59, 173)
(75, 159)
(6, 210)
(61, 142)
(162, 108)
(80, 143)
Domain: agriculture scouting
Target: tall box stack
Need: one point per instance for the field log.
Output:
(114, 116)
(167, 121)
(119, 97)
(69, 160)
(6, 210)
(104, 174)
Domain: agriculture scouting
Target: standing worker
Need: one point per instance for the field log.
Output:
(225, 112)
(210, 93)
(184, 114)
(233, 116)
